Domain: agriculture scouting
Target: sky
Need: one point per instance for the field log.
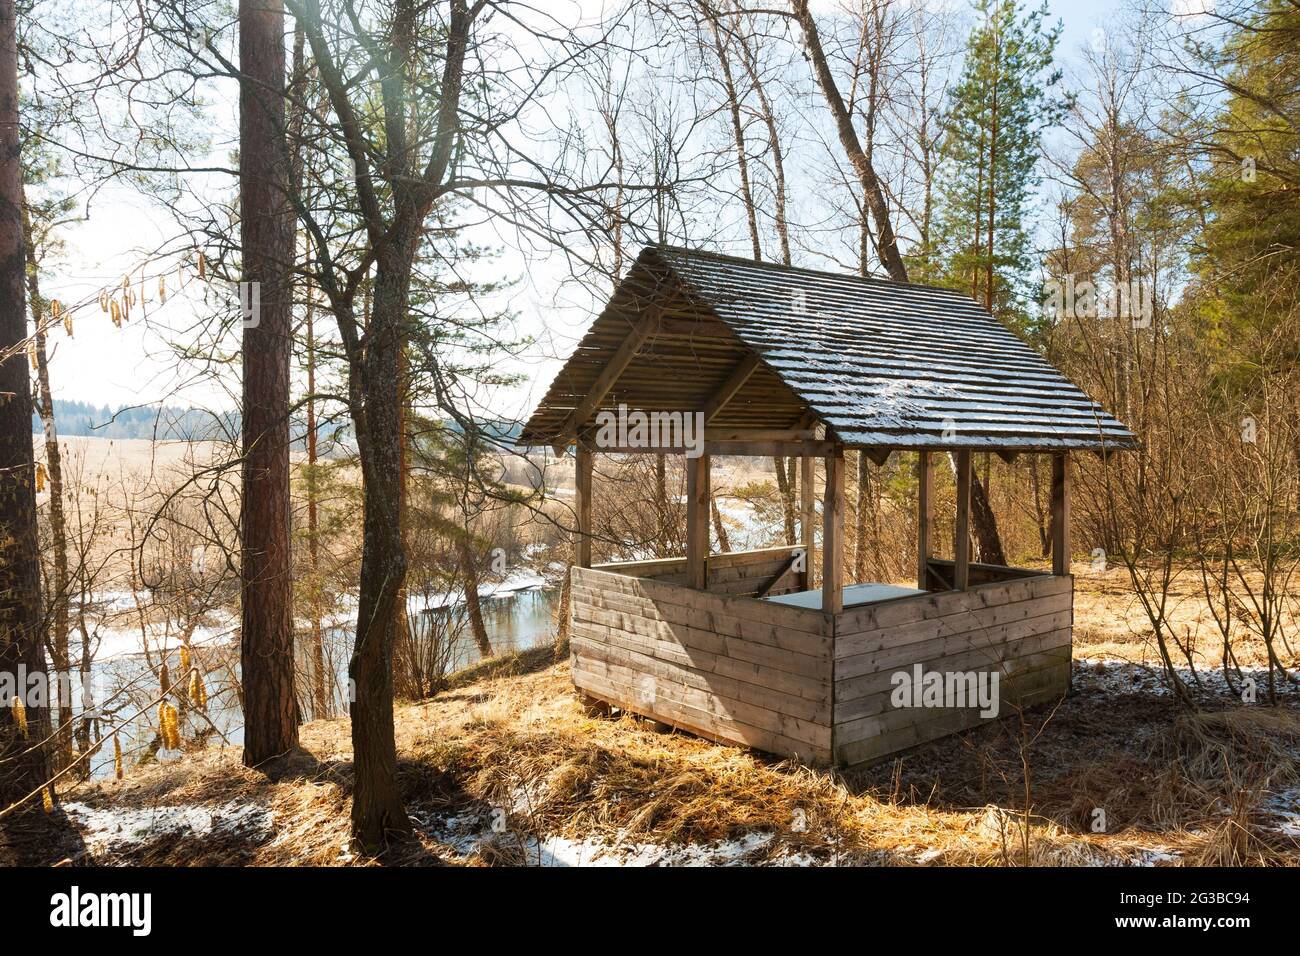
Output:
(104, 365)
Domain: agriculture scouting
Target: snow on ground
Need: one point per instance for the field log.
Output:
(1109, 675)
(469, 833)
(114, 828)
(1282, 811)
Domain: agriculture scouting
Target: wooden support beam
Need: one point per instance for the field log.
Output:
(582, 502)
(961, 534)
(769, 449)
(833, 535)
(723, 433)
(924, 516)
(609, 375)
(749, 449)
(697, 329)
(775, 579)
(808, 519)
(735, 381)
(1061, 513)
(697, 522)
(877, 454)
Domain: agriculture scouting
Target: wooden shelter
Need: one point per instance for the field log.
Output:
(772, 360)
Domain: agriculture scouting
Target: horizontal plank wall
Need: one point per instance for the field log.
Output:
(736, 572)
(721, 666)
(939, 574)
(1018, 628)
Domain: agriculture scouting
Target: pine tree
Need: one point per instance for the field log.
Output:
(996, 116)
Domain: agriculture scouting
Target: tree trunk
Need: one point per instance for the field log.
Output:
(985, 526)
(266, 224)
(320, 687)
(469, 572)
(58, 602)
(23, 767)
(664, 536)
(377, 811)
(785, 485)
(321, 696)
(872, 191)
(860, 519)
(719, 530)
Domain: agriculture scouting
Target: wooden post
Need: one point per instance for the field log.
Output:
(961, 535)
(924, 517)
(582, 499)
(1060, 514)
(697, 522)
(833, 534)
(808, 519)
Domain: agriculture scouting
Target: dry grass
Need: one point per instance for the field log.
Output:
(511, 735)
(1109, 620)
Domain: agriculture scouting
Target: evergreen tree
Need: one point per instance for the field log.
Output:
(996, 115)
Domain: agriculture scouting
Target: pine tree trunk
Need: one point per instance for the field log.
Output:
(377, 811)
(23, 767)
(469, 573)
(320, 687)
(984, 526)
(58, 601)
(266, 648)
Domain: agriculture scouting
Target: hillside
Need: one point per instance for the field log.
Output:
(505, 768)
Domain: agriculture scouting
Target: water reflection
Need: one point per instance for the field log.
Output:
(514, 621)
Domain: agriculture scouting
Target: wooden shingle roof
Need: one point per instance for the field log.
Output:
(879, 363)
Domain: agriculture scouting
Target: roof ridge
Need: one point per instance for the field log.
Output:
(782, 267)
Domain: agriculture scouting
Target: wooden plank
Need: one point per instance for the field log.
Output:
(699, 722)
(697, 521)
(981, 573)
(902, 636)
(833, 535)
(761, 612)
(924, 517)
(609, 375)
(892, 658)
(708, 699)
(635, 628)
(776, 579)
(814, 689)
(582, 500)
(654, 568)
(961, 534)
(808, 519)
(889, 717)
(1028, 689)
(1060, 514)
(768, 449)
(939, 603)
(733, 558)
(862, 695)
(788, 639)
(735, 381)
(778, 701)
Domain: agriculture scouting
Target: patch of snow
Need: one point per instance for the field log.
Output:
(109, 828)
(1108, 675)
(468, 833)
(1282, 812)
